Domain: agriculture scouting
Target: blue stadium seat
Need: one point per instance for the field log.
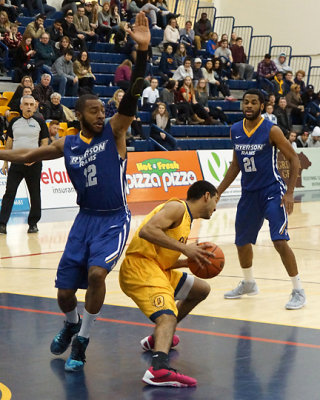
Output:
(242, 85)
(107, 57)
(226, 105)
(105, 91)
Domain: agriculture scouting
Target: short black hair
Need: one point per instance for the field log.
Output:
(257, 92)
(81, 102)
(69, 52)
(200, 188)
(268, 56)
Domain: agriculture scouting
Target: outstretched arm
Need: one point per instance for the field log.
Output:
(22, 156)
(121, 121)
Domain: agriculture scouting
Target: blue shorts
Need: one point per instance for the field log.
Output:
(254, 207)
(94, 240)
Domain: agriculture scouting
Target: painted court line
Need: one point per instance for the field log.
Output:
(197, 331)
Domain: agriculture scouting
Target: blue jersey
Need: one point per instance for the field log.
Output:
(97, 171)
(257, 157)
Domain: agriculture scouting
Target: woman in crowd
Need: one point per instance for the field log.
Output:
(63, 45)
(4, 23)
(171, 34)
(53, 110)
(161, 126)
(222, 85)
(114, 16)
(287, 82)
(23, 59)
(14, 103)
(12, 39)
(295, 105)
(180, 54)
(212, 44)
(202, 98)
(167, 64)
(104, 29)
(123, 74)
(82, 69)
(299, 80)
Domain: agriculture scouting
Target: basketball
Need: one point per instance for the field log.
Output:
(212, 269)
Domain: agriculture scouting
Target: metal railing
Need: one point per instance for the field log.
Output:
(223, 25)
(260, 45)
(276, 50)
(211, 14)
(314, 78)
(301, 62)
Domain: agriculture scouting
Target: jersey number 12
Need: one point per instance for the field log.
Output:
(90, 173)
(249, 165)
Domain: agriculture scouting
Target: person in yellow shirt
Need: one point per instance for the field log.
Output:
(148, 275)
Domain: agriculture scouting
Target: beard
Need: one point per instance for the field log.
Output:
(253, 116)
(88, 127)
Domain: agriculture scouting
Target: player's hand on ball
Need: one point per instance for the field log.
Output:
(198, 253)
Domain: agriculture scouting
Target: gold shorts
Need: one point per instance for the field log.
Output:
(150, 287)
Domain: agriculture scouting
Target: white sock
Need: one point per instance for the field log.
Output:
(87, 323)
(73, 316)
(248, 274)
(296, 282)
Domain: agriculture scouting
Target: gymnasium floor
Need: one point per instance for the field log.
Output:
(248, 349)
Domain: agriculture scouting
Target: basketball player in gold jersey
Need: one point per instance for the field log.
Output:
(149, 277)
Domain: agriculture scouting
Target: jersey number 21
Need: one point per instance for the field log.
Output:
(249, 165)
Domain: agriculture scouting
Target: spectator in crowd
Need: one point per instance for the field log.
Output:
(221, 82)
(167, 96)
(162, 19)
(272, 100)
(212, 44)
(211, 82)
(45, 9)
(91, 11)
(281, 64)
(278, 84)
(24, 132)
(152, 11)
(266, 72)
(224, 36)
(187, 37)
(14, 103)
(314, 138)
(161, 127)
(35, 29)
(23, 59)
(42, 91)
(295, 106)
(292, 139)
(180, 54)
(202, 99)
(45, 54)
(55, 31)
(81, 22)
(308, 95)
(202, 28)
(183, 71)
(171, 34)
(53, 129)
(314, 107)
(114, 16)
(233, 39)
(167, 64)
(11, 11)
(225, 56)
(299, 80)
(104, 29)
(283, 116)
(69, 29)
(12, 39)
(150, 96)
(113, 104)
(287, 82)
(122, 6)
(123, 74)
(302, 140)
(63, 76)
(4, 23)
(70, 5)
(244, 70)
(197, 71)
(123, 42)
(53, 108)
(63, 46)
(269, 114)
(82, 69)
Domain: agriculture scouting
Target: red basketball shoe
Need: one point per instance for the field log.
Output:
(167, 377)
(148, 342)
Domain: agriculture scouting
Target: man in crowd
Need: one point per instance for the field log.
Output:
(244, 70)
(202, 28)
(63, 76)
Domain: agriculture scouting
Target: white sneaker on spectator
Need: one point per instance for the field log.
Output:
(156, 27)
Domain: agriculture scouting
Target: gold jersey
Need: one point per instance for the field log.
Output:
(164, 257)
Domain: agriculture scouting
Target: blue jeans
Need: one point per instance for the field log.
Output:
(64, 85)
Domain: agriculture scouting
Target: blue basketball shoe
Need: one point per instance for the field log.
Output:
(62, 340)
(77, 357)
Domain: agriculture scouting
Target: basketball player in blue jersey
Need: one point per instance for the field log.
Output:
(264, 194)
(96, 163)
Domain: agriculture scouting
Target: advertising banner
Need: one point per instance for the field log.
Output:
(214, 165)
(309, 172)
(21, 202)
(159, 175)
(56, 188)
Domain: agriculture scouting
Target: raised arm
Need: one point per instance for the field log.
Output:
(22, 156)
(121, 121)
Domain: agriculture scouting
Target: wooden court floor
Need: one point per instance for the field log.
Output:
(28, 266)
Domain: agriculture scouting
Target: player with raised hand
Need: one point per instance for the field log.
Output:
(95, 160)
